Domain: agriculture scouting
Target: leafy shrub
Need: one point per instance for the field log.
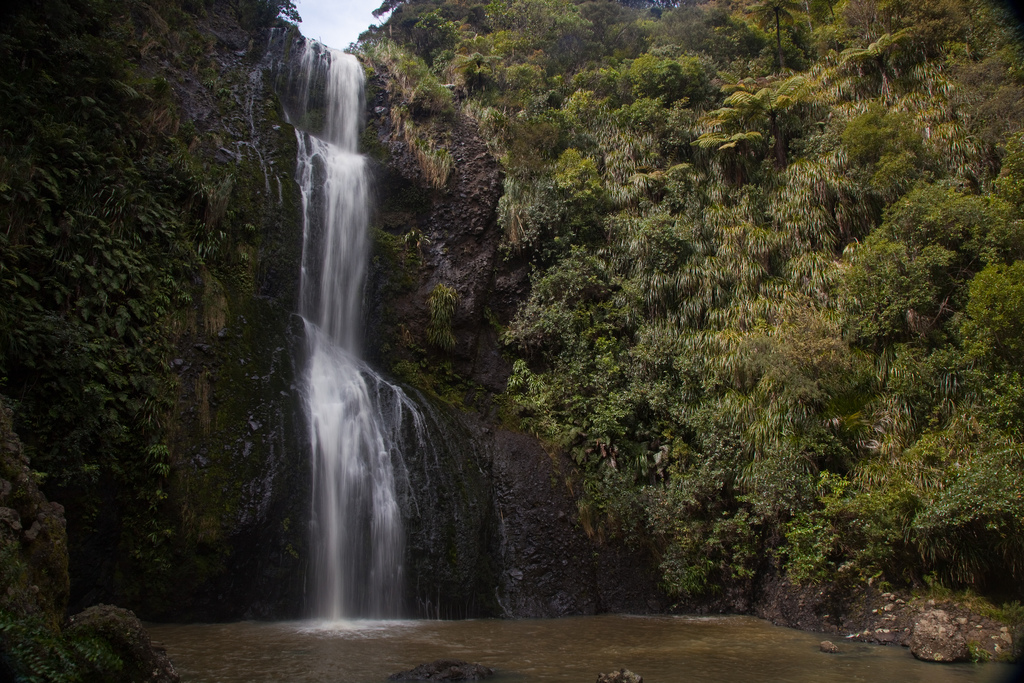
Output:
(39, 655)
(994, 328)
(888, 145)
(971, 532)
(442, 302)
(668, 79)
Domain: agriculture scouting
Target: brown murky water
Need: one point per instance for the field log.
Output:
(662, 649)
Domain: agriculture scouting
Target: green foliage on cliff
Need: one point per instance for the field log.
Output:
(442, 302)
(776, 253)
(122, 241)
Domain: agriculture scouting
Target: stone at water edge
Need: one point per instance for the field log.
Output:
(444, 670)
(829, 647)
(936, 638)
(143, 659)
(620, 676)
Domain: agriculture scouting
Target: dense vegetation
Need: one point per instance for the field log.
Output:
(777, 302)
(118, 233)
(777, 281)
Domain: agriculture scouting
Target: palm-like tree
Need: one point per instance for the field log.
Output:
(475, 68)
(776, 12)
(749, 108)
(883, 55)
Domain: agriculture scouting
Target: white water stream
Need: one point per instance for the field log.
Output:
(355, 417)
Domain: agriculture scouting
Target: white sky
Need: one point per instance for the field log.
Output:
(336, 23)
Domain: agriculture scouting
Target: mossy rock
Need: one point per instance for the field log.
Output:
(33, 542)
(122, 630)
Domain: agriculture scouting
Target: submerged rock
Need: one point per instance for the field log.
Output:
(444, 670)
(620, 676)
(937, 639)
(142, 659)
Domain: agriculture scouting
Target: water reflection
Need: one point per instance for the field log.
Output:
(662, 649)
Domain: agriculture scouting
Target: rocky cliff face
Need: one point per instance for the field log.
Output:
(239, 439)
(236, 505)
(492, 523)
(492, 530)
(428, 237)
(490, 518)
(548, 566)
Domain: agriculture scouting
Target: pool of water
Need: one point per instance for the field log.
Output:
(734, 649)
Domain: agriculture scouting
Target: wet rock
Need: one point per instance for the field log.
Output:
(829, 647)
(936, 638)
(33, 531)
(11, 518)
(620, 676)
(444, 670)
(142, 659)
(37, 555)
(552, 568)
(225, 156)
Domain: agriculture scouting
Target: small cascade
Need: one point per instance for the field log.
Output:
(355, 417)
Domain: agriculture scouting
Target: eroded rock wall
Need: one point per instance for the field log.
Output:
(239, 437)
(548, 566)
(428, 236)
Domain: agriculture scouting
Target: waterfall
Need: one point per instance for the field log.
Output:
(355, 417)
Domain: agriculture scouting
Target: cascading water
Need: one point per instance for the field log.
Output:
(355, 417)
(401, 520)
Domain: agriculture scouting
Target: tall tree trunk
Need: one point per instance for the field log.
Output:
(778, 38)
(885, 79)
(780, 142)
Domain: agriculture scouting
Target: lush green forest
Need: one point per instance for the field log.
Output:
(777, 301)
(776, 315)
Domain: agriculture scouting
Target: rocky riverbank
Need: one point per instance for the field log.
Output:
(939, 630)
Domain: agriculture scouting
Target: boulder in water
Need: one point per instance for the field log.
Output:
(620, 676)
(829, 647)
(444, 670)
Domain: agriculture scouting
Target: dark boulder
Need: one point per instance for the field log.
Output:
(620, 676)
(141, 659)
(444, 670)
